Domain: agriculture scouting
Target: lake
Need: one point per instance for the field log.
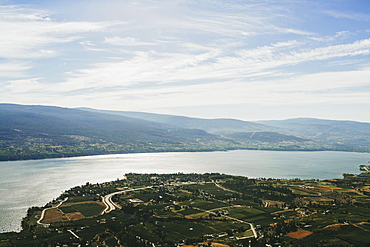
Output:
(34, 183)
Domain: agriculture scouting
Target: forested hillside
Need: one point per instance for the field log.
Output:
(310, 133)
(214, 126)
(44, 131)
(343, 134)
(34, 132)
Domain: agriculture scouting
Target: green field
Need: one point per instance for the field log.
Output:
(86, 209)
(68, 209)
(147, 196)
(211, 189)
(205, 205)
(189, 211)
(75, 199)
(244, 212)
(350, 234)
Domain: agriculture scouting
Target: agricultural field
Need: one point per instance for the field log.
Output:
(203, 209)
(87, 209)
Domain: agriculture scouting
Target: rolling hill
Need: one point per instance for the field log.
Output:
(215, 126)
(345, 134)
(317, 133)
(33, 132)
(46, 131)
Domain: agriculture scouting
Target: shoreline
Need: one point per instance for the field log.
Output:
(2, 159)
(244, 158)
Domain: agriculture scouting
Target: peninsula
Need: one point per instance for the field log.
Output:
(209, 209)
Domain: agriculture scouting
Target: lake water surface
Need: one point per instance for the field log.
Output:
(34, 183)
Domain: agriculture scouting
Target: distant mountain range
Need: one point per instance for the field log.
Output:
(331, 132)
(214, 126)
(32, 132)
(346, 135)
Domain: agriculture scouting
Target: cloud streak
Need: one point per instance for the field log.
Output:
(175, 54)
(207, 65)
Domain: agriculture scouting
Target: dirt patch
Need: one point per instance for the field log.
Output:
(196, 216)
(119, 188)
(275, 203)
(324, 200)
(334, 188)
(282, 211)
(333, 227)
(215, 244)
(75, 216)
(299, 234)
(185, 191)
(53, 215)
(324, 189)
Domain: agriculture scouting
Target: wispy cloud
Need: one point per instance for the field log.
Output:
(13, 69)
(205, 65)
(26, 85)
(22, 13)
(32, 34)
(150, 54)
(315, 89)
(34, 39)
(128, 41)
(348, 15)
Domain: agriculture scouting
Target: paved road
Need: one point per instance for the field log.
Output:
(228, 217)
(110, 205)
(74, 234)
(241, 221)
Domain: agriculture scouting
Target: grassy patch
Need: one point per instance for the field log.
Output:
(68, 209)
(244, 212)
(89, 209)
(188, 229)
(245, 203)
(90, 232)
(189, 211)
(351, 234)
(366, 226)
(86, 209)
(111, 242)
(205, 205)
(166, 213)
(81, 199)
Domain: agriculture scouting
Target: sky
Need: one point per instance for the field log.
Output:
(243, 59)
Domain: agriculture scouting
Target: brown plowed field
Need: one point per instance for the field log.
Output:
(53, 215)
(215, 244)
(299, 234)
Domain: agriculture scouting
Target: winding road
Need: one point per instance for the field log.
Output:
(110, 205)
(241, 221)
